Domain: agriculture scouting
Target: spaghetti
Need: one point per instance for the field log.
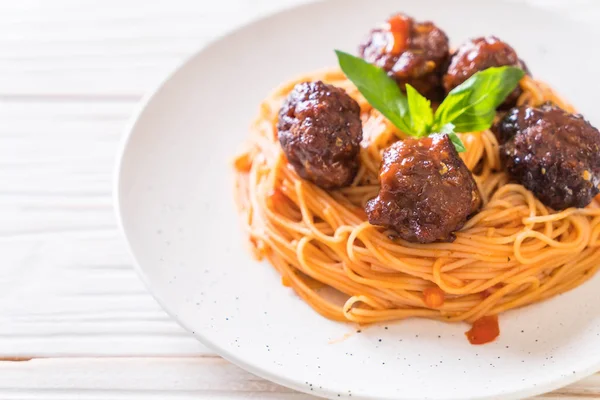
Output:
(514, 252)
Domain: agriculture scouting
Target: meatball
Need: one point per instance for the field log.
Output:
(477, 55)
(411, 52)
(551, 152)
(320, 131)
(427, 192)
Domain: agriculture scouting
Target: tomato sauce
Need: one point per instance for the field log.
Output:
(433, 297)
(285, 281)
(399, 28)
(243, 163)
(484, 330)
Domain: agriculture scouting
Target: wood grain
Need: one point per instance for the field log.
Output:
(71, 74)
(166, 378)
(75, 321)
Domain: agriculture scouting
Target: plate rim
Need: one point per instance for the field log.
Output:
(122, 147)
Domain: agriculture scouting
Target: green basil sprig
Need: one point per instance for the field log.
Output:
(382, 92)
(470, 107)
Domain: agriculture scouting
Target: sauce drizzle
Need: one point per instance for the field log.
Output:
(399, 28)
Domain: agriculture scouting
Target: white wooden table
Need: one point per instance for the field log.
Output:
(75, 321)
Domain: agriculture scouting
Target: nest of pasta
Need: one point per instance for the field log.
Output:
(515, 251)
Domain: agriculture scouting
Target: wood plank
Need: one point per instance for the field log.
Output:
(160, 378)
(151, 378)
(56, 300)
(67, 286)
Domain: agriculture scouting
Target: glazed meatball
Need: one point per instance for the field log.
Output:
(551, 152)
(427, 192)
(320, 131)
(477, 55)
(411, 52)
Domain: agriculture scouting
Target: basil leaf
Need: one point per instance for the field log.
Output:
(381, 91)
(412, 114)
(448, 129)
(471, 106)
(458, 144)
(420, 114)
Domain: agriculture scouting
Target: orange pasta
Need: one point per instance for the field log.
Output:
(514, 252)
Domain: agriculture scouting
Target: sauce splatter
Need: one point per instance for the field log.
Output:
(484, 330)
(285, 281)
(341, 339)
(433, 297)
(243, 162)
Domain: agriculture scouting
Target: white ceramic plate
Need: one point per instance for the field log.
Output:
(174, 200)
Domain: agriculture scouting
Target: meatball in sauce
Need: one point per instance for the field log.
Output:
(320, 130)
(410, 52)
(427, 192)
(477, 55)
(551, 152)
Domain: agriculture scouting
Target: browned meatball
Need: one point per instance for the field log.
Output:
(477, 55)
(411, 52)
(553, 153)
(320, 131)
(427, 192)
